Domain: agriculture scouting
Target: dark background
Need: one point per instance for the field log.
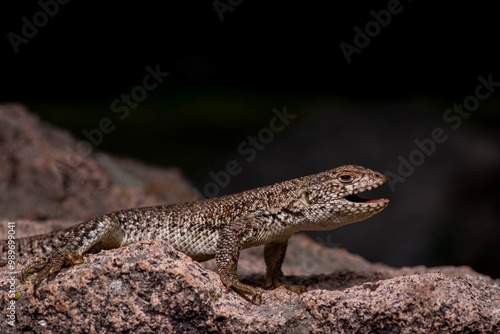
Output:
(227, 76)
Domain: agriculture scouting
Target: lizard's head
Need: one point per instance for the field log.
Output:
(332, 197)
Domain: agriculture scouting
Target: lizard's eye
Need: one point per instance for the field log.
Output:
(345, 177)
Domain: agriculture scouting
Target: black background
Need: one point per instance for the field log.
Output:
(89, 50)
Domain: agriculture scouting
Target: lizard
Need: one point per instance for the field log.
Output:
(218, 227)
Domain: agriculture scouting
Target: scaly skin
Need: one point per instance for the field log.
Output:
(219, 227)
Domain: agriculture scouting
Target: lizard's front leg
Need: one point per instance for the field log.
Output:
(104, 232)
(226, 258)
(274, 255)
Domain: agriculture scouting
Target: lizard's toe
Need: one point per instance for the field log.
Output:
(34, 265)
(257, 299)
(250, 293)
(53, 266)
(276, 282)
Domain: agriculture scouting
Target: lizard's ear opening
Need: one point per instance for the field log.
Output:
(305, 198)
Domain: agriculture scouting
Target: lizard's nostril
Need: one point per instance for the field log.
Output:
(378, 175)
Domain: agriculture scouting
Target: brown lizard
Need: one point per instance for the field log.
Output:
(219, 227)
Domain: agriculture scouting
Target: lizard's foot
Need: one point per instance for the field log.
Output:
(250, 293)
(276, 282)
(49, 268)
(33, 265)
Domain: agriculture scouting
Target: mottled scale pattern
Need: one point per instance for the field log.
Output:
(221, 227)
(39, 245)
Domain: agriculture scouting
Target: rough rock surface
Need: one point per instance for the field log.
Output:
(149, 287)
(46, 173)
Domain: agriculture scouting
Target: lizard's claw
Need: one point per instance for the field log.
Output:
(48, 269)
(257, 298)
(250, 293)
(276, 282)
(33, 265)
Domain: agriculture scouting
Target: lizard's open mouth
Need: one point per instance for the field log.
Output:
(357, 199)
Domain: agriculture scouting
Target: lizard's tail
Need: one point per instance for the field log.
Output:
(20, 250)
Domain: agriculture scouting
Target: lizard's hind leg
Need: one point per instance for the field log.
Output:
(104, 232)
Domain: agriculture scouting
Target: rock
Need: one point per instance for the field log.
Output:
(45, 173)
(150, 287)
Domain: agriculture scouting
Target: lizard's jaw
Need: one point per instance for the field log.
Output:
(360, 204)
(347, 210)
(358, 208)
